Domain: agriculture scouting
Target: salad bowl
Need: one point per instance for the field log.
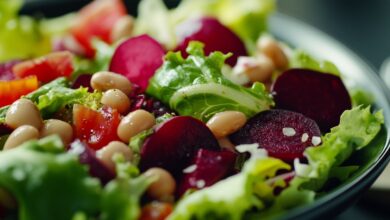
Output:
(356, 74)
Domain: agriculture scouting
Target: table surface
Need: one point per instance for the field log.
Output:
(363, 26)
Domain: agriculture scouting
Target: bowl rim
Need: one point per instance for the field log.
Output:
(286, 28)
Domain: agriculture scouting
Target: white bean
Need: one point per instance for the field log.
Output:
(224, 123)
(61, 128)
(23, 112)
(116, 99)
(106, 80)
(134, 123)
(20, 135)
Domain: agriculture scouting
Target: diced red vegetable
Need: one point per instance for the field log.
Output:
(11, 91)
(96, 20)
(46, 68)
(138, 58)
(96, 128)
(156, 211)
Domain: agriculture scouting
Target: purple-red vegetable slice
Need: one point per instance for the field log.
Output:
(174, 144)
(319, 96)
(208, 168)
(138, 58)
(83, 80)
(213, 34)
(284, 134)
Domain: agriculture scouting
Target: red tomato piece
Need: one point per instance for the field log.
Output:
(46, 68)
(96, 128)
(97, 20)
(11, 91)
(156, 211)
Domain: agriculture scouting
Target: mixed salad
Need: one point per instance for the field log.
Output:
(194, 112)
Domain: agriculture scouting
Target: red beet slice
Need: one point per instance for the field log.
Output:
(83, 80)
(208, 168)
(174, 144)
(319, 96)
(88, 156)
(4, 129)
(284, 134)
(138, 58)
(213, 34)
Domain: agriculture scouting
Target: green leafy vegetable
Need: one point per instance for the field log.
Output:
(247, 190)
(195, 86)
(121, 198)
(24, 37)
(47, 182)
(361, 97)
(357, 128)
(301, 59)
(155, 20)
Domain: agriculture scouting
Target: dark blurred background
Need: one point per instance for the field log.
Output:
(361, 25)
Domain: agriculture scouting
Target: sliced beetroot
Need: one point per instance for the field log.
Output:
(174, 144)
(138, 58)
(284, 134)
(88, 156)
(208, 167)
(83, 80)
(319, 96)
(213, 34)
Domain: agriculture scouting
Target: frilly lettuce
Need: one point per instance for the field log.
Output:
(301, 59)
(121, 198)
(155, 19)
(45, 179)
(195, 86)
(233, 197)
(357, 128)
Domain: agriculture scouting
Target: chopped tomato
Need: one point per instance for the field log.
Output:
(96, 128)
(156, 211)
(46, 68)
(96, 20)
(11, 91)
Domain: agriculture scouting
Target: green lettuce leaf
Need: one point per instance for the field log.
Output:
(301, 59)
(121, 198)
(195, 86)
(246, 190)
(155, 20)
(60, 97)
(45, 179)
(361, 97)
(357, 128)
